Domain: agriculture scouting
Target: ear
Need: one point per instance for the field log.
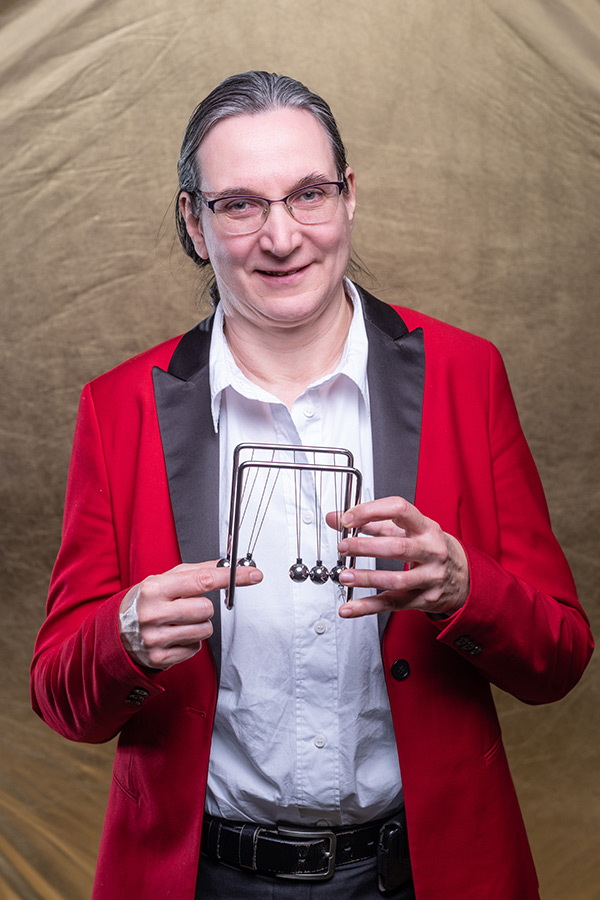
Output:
(192, 224)
(350, 194)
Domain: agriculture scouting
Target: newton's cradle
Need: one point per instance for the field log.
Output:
(245, 483)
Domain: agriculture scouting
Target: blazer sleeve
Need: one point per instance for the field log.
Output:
(522, 625)
(83, 683)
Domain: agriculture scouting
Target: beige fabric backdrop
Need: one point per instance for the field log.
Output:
(473, 128)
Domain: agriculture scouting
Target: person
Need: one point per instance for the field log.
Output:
(302, 744)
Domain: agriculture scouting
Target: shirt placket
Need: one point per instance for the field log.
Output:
(316, 652)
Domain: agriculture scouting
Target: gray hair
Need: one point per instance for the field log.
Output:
(247, 93)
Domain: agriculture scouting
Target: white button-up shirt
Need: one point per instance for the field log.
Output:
(303, 731)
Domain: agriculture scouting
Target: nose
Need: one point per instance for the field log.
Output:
(281, 234)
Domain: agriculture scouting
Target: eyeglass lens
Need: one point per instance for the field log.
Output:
(311, 205)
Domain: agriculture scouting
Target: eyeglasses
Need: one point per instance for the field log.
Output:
(244, 214)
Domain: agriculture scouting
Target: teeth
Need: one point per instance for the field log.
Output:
(281, 274)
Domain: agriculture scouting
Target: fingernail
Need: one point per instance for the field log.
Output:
(347, 519)
(345, 612)
(256, 576)
(343, 546)
(347, 577)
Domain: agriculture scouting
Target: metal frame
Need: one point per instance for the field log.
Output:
(237, 484)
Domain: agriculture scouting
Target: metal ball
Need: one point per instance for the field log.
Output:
(335, 573)
(298, 572)
(319, 574)
(224, 563)
(246, 561)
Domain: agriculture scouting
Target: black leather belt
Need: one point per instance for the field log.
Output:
(309, 854)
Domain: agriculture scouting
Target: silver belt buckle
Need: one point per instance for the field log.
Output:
(320, 834)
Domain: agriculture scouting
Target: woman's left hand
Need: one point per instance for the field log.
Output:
(436, 577)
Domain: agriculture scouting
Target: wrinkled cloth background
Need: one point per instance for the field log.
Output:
(473, 129)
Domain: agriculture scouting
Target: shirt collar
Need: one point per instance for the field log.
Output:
(224, 371)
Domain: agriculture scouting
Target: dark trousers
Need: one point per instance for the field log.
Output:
(357, 881)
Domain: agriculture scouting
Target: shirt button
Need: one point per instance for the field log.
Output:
(320, 627)
(307, 518)
(320, 741)
(308, 412)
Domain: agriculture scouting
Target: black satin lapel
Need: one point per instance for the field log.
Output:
(191, 452)
(396, 379)
(396, 373)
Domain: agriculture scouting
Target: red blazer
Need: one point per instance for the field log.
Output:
(446, 435)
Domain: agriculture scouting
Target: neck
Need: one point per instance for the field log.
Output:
(286, 360)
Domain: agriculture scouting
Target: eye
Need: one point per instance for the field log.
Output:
(239, 206)
(309, 196)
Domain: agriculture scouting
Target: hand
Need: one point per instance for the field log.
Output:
(164, 619)
(436, 579)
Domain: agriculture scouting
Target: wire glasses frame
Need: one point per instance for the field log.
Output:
(313, 204)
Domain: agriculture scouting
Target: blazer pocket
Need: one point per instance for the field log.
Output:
(122, 770)
(126, 790)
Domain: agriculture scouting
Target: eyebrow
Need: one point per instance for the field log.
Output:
(313, 178)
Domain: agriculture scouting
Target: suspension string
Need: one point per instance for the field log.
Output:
(257, 527)
(319, 573)
(298, 571)
(342, 500)
(245, 491)
(337, 500)
(298, 502)
(318, 510)
(225, 561)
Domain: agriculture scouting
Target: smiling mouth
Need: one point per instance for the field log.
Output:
(275, 274)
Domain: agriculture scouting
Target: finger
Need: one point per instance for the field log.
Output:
(377, 603)
(159, 612)
(418, 579)
(241, 571)
(175, 655)
(164, 645)
(245, 575)
(384, 528)
(397, 509)
(165, 657)
(168, 636)
(193, 580)
(400, 548)
(333, 520)
(159, 609)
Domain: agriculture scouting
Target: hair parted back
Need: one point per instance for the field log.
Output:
(245, 94)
